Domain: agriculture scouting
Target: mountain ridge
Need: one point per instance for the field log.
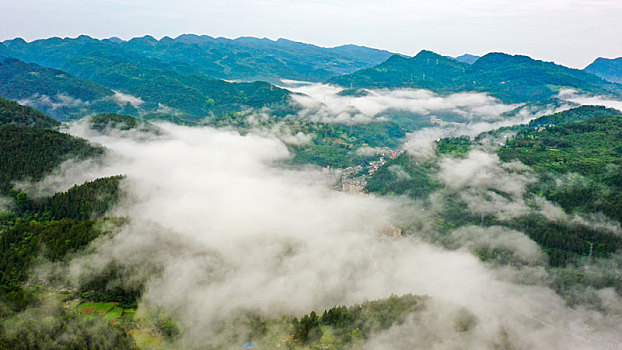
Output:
(512, 78)
(220, 58)
(609, 69)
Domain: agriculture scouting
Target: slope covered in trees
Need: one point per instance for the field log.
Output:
(609, 69)
(244, 58)
(30, 153)
(84, 86)
(577, 158)
(109, 121)
(427, 70)
(13, 113)
(511, 78)
(55, 92)
(160, 88)
(85, 201)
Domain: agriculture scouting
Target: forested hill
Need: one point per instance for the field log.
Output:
(28, 153)
(244, 58)
(160, 85)
(606, 68)
(110, 121)
(55, 92)
(47, 228)
(13, 113)
(420, 183)
(141, 88)
(21, 80)
(576, 157)
(510, 78)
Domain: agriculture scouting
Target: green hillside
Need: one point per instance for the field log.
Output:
(110, 121)
(54, 92)
(608, 69)
(31, 153)
(21, 80)
(426, 70)
(194, 95)
(511, 78)
(13, 113)
(85, 201)
(585, 141)
(245, 58)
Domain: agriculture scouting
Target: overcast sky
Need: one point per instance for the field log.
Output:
(570, 32)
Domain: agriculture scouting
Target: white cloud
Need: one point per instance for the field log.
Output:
(582, 99)
(123, 99)
(324, 103)
(53, 103)
(487, 185)
(228, 230)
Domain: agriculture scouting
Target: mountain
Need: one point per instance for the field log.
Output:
(13, 113)
(245, 58)
(141, 86)
(21, 80)
(517, 78)
(584, 142)
(427, 70)
(55, 92)
(160, 88)
(28, 153)
(608, 69)
(513, 79)
(467, 58)
(573, 115)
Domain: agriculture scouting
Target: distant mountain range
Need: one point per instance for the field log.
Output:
(245, 58)
(510, 78)
(168, 78)
(608, 69)
(183, 79)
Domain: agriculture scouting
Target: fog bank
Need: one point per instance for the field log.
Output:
(226, 229)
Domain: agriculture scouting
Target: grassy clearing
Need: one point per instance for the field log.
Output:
(90, 308)
(146, 338)
(114, 314)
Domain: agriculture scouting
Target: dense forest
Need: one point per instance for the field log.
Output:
(28, 153)
(510, 78)
(246, 58)
(12, 112)
(50, 230)
(581, 144)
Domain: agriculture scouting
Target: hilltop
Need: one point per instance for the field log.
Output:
(511, 78)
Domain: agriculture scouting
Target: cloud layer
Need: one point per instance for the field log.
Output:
(225, 229)
(325, 103)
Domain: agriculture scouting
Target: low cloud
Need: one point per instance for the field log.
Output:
(53, 103)
(367, 151)
(574, 96)
(487, 185)
(216, 227)
(498, 237)
(328, 103)
(124, 99)
(399, 172)
(164, 109)
(422, 143)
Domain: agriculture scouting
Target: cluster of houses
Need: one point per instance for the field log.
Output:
(354, 179)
